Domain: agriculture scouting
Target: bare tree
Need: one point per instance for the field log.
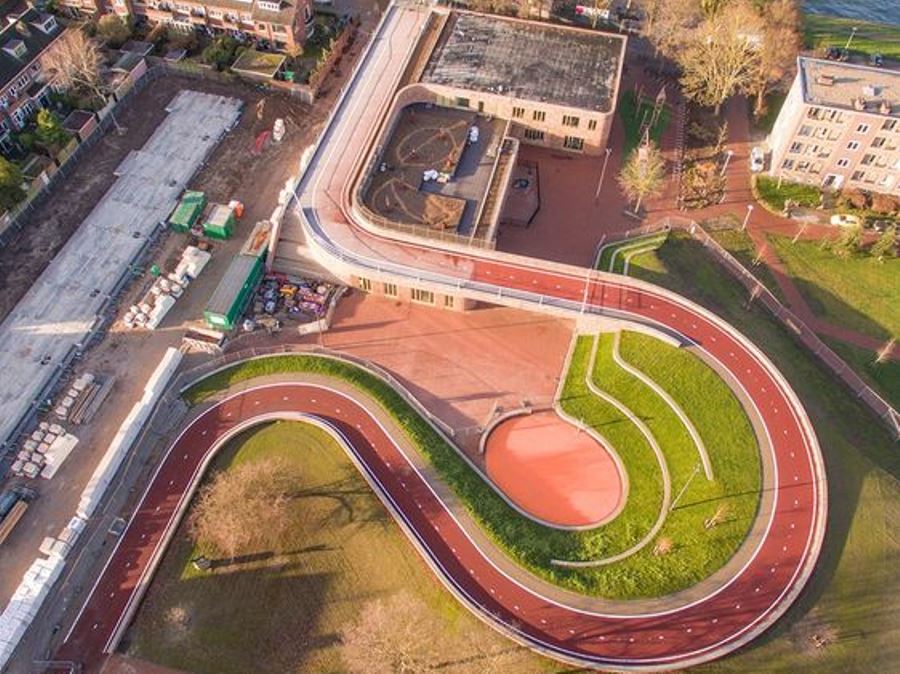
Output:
(721, 59)
(75, 64)
(642, 174)
(396, 635)
(778, 49)
(668, 24)
(245, 507)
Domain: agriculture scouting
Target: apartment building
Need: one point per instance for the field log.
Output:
(24, 40)
(839, 127)
(558, 85)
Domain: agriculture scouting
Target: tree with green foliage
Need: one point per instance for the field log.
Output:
(221, 53)
(50, 131)
(113, 30)
(849, 242)
(11, 192)
(642, 174)
(886, 245)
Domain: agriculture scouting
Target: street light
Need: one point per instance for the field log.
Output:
(727, 159)
(747, 217)
(850, 39)
(602, 174)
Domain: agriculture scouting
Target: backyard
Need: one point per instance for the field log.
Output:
(852, 603)
(283, 610)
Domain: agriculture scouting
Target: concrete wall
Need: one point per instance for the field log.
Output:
(420, 295)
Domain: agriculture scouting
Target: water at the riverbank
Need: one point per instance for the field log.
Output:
(883, 11)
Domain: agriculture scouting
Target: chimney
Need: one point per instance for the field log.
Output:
(885, 107)
(859, 103)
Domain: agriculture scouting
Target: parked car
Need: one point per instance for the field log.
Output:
(877, 60)
(757, 159)
(845, 220)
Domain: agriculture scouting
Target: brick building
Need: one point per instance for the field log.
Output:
(839, 127)
(24, 40)
(558, 85)
(284, 23)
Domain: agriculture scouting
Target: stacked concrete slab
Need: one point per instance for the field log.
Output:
(60, 308)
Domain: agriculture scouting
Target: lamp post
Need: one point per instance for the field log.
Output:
(747, 217)
(602, 175)
(727, 159)
(850, 39)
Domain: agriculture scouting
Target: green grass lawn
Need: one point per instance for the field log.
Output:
(741, 246)
(727, 433)
(854, 594)
(633, 115)
(529, 543)
(649, 241)
(821, 31)
(883, 377)
(857, 292)
(283, 611)
(771, 195)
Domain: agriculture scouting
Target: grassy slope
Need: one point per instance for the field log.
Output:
(741, 246)
(724, 426)
(821, 31)
(883, 377)
(855, 592)
(858, 292)
(283, 613)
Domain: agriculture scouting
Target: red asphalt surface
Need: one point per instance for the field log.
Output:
(675, 638)
(701, 631)
(553, 470)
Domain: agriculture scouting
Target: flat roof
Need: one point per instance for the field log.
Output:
(527, 60)
(845, 85)
(222, 299)
(259, 63)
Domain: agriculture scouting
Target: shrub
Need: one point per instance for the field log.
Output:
(854, 198)
(885, 204)
(113, 30)
(222, 52)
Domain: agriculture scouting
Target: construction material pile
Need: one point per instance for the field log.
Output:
(160, 298)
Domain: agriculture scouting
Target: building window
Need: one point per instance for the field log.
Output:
(805, 130)
(423, 296)
(215, 13)
(534, 134)
(889, 125)
(539, 116)
(853, 145)
(796, 147)
(867, 159)
(390, 289)
(787, 164)
(365, 284)
(449, 301)
(879, 141)
(592, 125)
(518, 113)
(858, 175)
(803, 166)
(570, 120)
(862, 128)
(843, 162)
(573, 143)
(462, 102)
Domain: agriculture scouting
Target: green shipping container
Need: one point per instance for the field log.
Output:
(233, 292)
(219, 222)
(187, 211)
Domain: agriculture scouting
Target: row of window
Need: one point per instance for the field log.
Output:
(878, 143)
(860, 175)
(538, 115)
(569, 142)
(416, 294)
(837, 117)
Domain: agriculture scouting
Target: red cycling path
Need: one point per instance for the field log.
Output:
(703, 630)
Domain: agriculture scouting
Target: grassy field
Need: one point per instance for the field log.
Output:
(741, 246)
(883, 377)
(633, 114)
(857, 292)
(853, 598)
(726, 431)
(283, 610)
(822, 31)
(771, 195)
